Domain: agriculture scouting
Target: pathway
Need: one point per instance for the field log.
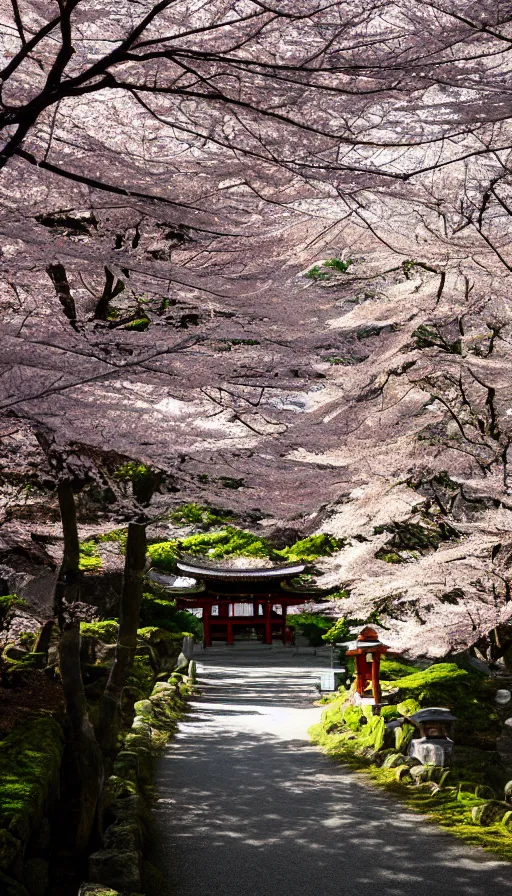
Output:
(249, 808)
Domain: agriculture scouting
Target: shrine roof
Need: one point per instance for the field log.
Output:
(204, 569)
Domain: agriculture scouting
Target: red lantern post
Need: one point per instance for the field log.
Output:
(367, 653)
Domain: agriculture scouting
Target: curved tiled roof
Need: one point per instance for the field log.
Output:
(204, 569)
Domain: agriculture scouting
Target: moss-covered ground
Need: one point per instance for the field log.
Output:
(233, 542)
(30, 758)
(352, 735)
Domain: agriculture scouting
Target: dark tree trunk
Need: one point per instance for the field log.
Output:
(111, 289)
(127, 638)
(86, 750)
(42, 644)
(57, 274)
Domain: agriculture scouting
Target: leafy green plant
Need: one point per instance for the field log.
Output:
(132, 471)
(313, 547)
(318, 272)
(315, 273)
(336, 264)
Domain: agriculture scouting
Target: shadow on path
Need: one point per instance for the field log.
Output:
(246, 806)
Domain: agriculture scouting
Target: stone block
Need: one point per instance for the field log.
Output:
(117, 868)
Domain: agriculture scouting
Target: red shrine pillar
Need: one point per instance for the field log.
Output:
(268, 622)
(376, 678)
(207, 616)
(283, 627)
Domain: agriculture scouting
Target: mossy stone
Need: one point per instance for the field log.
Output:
(506, 821)
(117, 868)
(489, 812)
(403, 773)
(9, 847)
(10, 887)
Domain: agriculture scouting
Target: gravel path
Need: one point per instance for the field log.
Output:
(248, 808)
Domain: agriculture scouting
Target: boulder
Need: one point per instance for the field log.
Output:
(508, 792)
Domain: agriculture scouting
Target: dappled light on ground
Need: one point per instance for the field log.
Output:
(247, 806)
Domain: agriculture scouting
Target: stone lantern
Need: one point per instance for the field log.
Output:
(435, 744)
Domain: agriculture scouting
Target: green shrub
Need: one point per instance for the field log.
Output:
(313, 547)
(311, 625)
(164, 554)
(159, 612)
(105, 631)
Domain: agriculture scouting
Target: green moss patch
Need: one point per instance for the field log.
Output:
(89, 556)
(30, 758)
(195, 515)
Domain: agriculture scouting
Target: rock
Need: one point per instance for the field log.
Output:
(10, 887)
(36, 876)
(508, 792)
(503, 696)
(403, 773)
(489, 812)
(120, 869)
(181, 663)
(9, 847)
(508, 722)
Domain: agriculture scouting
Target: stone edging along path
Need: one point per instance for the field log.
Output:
(120, 866)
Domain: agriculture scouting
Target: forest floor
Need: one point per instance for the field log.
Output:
(247, 805)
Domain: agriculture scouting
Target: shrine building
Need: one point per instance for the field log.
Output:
(236, 602)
